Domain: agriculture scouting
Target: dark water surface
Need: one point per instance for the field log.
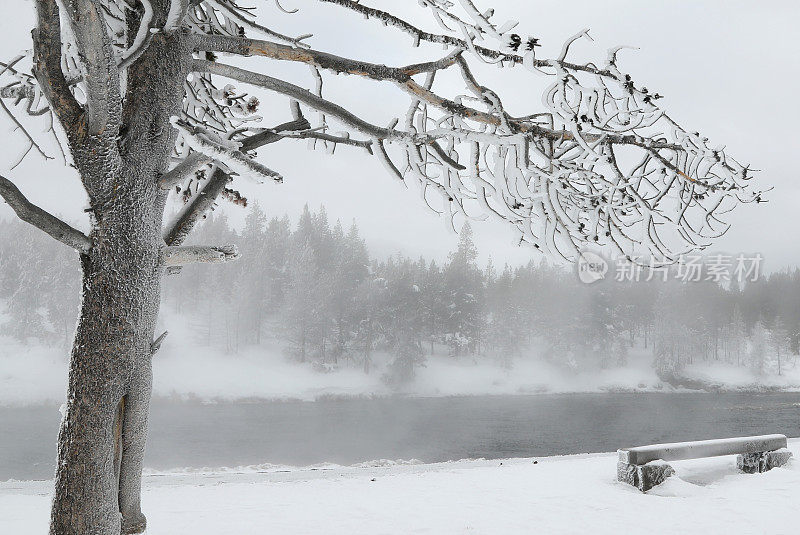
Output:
(192, 434)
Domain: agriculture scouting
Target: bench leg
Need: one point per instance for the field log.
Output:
(761, 461)
(644, 477)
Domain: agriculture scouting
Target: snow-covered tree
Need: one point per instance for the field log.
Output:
(402, 321)
(26, 301)
(463, 284)
(758, 348)
(779, 343)
(305, 301)
(145, 106)
(254, 275)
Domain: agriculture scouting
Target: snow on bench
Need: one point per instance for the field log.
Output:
(645, 466)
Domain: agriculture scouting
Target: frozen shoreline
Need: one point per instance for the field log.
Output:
(563, 494)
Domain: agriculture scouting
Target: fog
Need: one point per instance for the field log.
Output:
(311, 311)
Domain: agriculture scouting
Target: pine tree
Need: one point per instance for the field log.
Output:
(464, 296)
(254, 275)
(758, 348)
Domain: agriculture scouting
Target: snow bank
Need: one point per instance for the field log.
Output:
(556, 495)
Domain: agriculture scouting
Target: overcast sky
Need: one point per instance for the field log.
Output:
(728, 69)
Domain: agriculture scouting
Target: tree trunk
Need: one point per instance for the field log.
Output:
(121, 147)
(101, 441)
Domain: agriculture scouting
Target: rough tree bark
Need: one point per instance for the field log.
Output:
(121, 149)
(111, 356)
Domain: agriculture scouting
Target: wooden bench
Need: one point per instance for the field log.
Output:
(645, 467)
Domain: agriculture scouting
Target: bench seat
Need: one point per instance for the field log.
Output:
(646, 466)
(678, 451)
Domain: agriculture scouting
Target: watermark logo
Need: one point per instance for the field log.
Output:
(719, 268)
(591, 267)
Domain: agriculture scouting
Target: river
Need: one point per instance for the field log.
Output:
(194, 434)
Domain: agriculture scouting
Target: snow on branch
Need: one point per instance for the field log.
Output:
(302, 95)
(236, 20)
(194, 254)
(180, 228)
(91, 44)
(177, 12)
(183, 224)
(506, 50)
(143, 36)
(224, 151)
(602, 164)
(185, 169)
(32, 214)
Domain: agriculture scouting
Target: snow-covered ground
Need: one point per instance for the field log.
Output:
(38, 374)
(556, 495)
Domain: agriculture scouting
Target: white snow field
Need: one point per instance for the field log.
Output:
(575, 494)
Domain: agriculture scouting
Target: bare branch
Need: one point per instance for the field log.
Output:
(419, 35)
(41, 219)
(156, 344)
(271, 135)
(47, 63)
(224, 151)
(253, 47)
(194, 254)
(31, 142)
(322, 136)
(95, 49)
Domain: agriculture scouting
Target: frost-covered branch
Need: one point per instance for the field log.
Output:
(143, 35)
(47, 55)
(178, 9)
(194, 254)
(200, 203)
(225, 152)
(187, 168)
(183, 224)
(509, 55)
(156, 344)
(235, 18)
(95, 50)
(302, 95)
(600, 163)
(32, 214)
(402, 76)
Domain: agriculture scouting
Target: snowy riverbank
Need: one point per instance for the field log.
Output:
(37, 375)
(557, 495)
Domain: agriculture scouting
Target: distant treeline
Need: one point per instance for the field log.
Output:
(314, 288)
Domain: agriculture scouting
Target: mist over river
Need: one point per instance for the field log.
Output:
(195, 435)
